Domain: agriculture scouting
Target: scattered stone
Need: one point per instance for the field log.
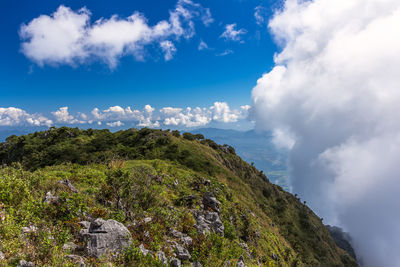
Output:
(2, 256)
(274, 257)
(79, 260)
(175, 262)
(181, 252)
(70, 246)
(50, 198)
(196, 264)
(215, 222)
(161, 257)
(210, 201)
(105, 237)
(144, 250)
(29, 229)
(246, 248)
(241, 262)
(24, 263)
(147, 219)
(68, 184)
(206, 182)
(187, 240)
(176, 183)
(176, 233)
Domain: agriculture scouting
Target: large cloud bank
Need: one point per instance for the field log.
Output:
(117, 116)
(69, 37)
(334, 96)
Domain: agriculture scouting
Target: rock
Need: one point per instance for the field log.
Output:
(206, 182)
(240, 263)
(50, 199)
(147, 219)
(144, 250)
(70, 246)
(181, 252)
(29, 229)
(162, 258)
(105, 237)
(176, 182)
(2, 256)
(196, 264)
(246, 248)
(68, 184)
(175, 262)
(84, 224)
(209, 201)
(176, 233)
(215, 222)
(24, 263)
(274, 257)
(187, 240)
(206, 221)
(79, 260)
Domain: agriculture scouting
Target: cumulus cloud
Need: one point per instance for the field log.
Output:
(115, 124)
(62, 116)
(202, 45)
(232, 34)
(69, 37)
(333, 95)
(17, 117)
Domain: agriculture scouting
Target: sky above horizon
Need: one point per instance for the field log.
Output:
(89, 55)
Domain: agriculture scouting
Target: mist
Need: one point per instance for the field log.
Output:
(333, 97)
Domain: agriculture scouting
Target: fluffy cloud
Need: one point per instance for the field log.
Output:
(333, 96)
(260, 14)
(203, 45)
(18, 117)
(62, 116)
(115, 124)
(232, 34)
(68, 37)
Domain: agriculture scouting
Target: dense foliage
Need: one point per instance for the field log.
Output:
(133, 174)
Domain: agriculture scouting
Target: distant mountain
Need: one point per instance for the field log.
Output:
(254, 147)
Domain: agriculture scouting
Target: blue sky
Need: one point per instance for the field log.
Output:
(191, 78)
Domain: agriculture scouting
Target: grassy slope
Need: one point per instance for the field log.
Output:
(150, 172)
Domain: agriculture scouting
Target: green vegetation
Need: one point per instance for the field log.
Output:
(135, 174)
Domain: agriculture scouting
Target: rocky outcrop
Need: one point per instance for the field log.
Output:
(208, 221)
(240, 263)
(50, 198)
(209, 201)
(24, 263)
(78, 260)
(342, 239)
(69, 185)
(104, 237)
(175, 262)
(181, 252)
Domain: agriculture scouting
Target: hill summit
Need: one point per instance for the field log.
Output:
(148, 198)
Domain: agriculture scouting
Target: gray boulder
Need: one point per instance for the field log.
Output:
(143, 250)
(29, 229)
(104, 237)
(24, 263)
(240, 263)
(70, 246)
(2, 256)
(68, 184)
(50, 198)
(175, 262)
(209, 201)
(181, 252)
(79, 260)
(208, 221)
(162, 258)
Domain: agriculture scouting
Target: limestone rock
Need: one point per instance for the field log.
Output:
(161, 257)
(240, 263)
(24, 263)
(68, 184)
(105, 237)
(70, 246)
(79, 260)
(2, 256)
(175, 262)
(181, 252)
(50, 198)
(209, 201)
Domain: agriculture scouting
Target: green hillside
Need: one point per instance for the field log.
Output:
(153, 182)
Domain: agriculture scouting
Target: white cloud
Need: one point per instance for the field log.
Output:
(169, 49)
(260, 15)
(334, 92)
(62, 116)
(115, 124)
(202, 46)
(17, 117)
(232, 34)
(225, 53)
(68, 37)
